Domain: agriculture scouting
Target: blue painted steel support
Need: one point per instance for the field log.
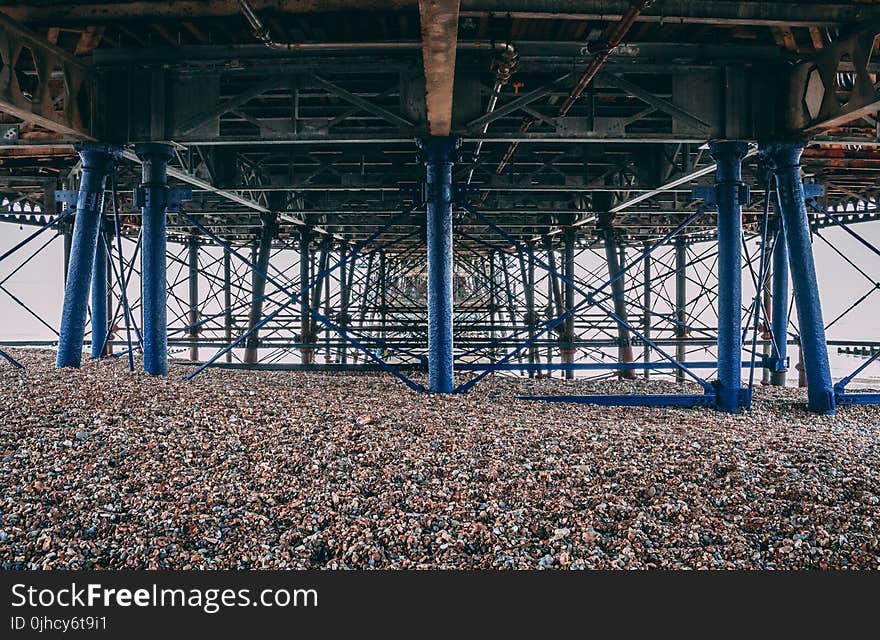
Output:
(779, 310)
(192, 264)
(153, 195)
(681, 323)
(296, 297)
(589, 300)
(305, 323)
(588, 366)
(100, 323)
(612, 257)
(567, 350)
(63, 216)
(438, 154)
(655, 400)
(857, 398)
(258, 288)
(730, 194)
(784, 159)
(15, 363)
(120, 275)
(97, 161)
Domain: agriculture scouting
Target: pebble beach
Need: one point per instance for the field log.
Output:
(103, 468)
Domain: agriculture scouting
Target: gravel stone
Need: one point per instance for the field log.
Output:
(266, 470)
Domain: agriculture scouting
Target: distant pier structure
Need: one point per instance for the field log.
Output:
(456, 187)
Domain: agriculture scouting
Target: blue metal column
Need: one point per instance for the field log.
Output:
(779, 309)
(264, 253)
(99, 297)
(192, 251)
(681, 327)
(729, 194)
(567, 350)
(154, 193)
(438, 154)
(612, 256)
(784, 159)
(305, 263)
(97, 161)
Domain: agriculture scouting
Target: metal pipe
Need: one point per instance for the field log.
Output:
(100, 323)
(258, 285)
(227, 301)
(768, 243)
(97, 162)
(646, 303)
(784, 159)
(383, 292)
(154, 159)
(305, 326)
(779, 309)
(681, 329)
(567, 350)
(493, 303)
(728, 155)
(328, 307)
(503, 71)
(611, 37)
(193, 290)
(528, 280)
(438, 154)
(624, 344)
(342, 318)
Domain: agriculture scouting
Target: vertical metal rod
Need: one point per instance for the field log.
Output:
(646, 303)
(154, 200)
(438, 154)
(802, 372)
(193, 282)
(729, 194)
(779, 309)
(97, 161)
(552, 300)
(567, 350)
(320, 292)
(681, 329)
(123, 293)
(227, 301)
(362, 311)
(528, 279)
(111, 318)
(258, 285)
(383, 293)
(624, 344)
(785, 161)
(766, 295)
(345, 272)
(99, 297)
(305, 326)
(493, 304)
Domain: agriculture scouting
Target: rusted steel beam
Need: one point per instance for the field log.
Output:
(37, 100)
(439, 24)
